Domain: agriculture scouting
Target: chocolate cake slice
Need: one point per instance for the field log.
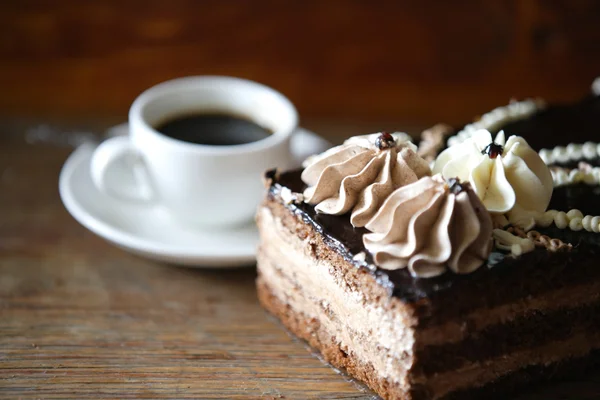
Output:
(370, 262)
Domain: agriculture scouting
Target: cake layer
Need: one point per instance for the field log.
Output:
(511, 280)
(328, 345)
(519, 334)
(319, 284)
(559, 301)
(377, 332)
(582, 345)
(310, 330)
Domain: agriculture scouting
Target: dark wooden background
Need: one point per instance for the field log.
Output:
(420, 61)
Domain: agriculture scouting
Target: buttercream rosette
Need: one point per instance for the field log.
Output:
(430, 226)
(358, 175)
(507, 175)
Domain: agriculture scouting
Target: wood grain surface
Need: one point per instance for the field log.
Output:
(82, 319)
(425, 61)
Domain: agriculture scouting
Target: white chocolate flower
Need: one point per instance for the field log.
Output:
(508, 176)
(429, 226)
(358, 175)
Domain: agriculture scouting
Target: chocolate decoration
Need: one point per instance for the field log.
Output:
(455, 186)
(493, 150)
(385, 141)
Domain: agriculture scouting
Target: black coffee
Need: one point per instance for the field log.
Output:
(213, 129)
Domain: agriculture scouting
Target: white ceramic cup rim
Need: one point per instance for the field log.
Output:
(136, 114)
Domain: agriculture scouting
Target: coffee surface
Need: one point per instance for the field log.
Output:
(213, 129)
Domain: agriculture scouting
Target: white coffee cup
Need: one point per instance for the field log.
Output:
(202, 185)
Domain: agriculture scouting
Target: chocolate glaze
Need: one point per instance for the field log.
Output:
(558, 125)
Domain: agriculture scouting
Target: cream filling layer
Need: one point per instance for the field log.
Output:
(375, 335)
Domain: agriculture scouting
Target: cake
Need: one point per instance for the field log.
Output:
(462, 278)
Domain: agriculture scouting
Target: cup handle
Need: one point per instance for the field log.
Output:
(116, 158)
(305, 143)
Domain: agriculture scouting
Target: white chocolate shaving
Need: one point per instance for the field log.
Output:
(516, 245)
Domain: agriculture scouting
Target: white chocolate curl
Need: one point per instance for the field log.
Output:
(428, 227)
(515, 181)
(358, 176)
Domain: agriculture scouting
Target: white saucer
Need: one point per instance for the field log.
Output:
(147, 230)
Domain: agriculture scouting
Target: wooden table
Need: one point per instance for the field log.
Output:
(80, 318)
